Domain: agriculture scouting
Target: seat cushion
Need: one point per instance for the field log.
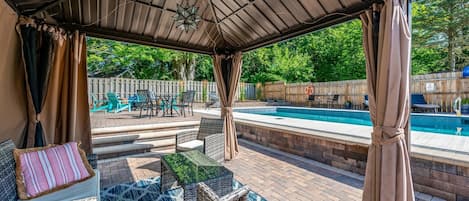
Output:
(7, 171)
(191, 145)
(86, 190)
(48, 169)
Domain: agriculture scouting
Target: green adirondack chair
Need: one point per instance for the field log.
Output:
(115, 104)
(98, 105)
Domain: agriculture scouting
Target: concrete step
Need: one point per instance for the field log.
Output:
(144, 128)
(114, 139)
(134, 148)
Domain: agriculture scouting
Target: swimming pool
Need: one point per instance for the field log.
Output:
(440, 124)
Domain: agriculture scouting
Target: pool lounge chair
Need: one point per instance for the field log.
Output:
(418, 103)
(366, 104)
(278, 102)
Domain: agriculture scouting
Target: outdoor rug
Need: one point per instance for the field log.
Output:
(149, 190)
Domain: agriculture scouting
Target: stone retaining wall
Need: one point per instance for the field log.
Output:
(444, 180)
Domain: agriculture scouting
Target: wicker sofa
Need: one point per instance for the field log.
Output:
(209, 139)
(87, 190)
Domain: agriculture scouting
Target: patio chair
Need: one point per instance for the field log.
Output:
(115, 104)
(418, 102)
(270, 102)
(281, 102)
(209, 139)
(144, 102)
(187, 102)
(332, 100)
(98, 105)
(366, 104)
(214, 101)
(205, 193)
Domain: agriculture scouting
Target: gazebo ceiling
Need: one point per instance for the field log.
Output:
(225, 24)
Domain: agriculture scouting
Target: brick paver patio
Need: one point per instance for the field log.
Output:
(273, 174)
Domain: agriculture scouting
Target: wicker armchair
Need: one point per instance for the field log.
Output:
(209, 139)
(205, 193)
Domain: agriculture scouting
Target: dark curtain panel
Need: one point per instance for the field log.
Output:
(37, 54)
(226, 71)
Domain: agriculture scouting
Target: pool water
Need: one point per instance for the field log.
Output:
(440, 124)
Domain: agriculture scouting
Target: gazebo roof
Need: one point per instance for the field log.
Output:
(225, 24)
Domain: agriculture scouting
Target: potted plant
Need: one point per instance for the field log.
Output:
(465, 106)
(348, 104)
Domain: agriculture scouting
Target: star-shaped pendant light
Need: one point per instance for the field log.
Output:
(186, 17)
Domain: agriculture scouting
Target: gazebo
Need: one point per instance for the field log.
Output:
(223, 29)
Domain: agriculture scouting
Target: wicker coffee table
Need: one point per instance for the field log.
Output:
(186, 169)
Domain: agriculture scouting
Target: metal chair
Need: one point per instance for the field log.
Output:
(334, 99)
(187, 102)
(144, 102)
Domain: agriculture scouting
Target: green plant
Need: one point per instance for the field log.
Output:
(204, 94)
(181, 90)
(258, 91)
(242, 92)
(465, 101)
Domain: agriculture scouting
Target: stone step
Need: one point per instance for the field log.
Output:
(133, 148)
(115, 139)
(144, 128)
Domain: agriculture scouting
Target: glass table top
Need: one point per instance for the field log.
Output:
(193, 167)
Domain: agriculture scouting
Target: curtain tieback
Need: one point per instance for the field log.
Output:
(38, 117)
(226, 110)
(397, 134)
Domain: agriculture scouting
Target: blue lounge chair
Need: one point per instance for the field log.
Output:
(366, 104)
(418, 103)
(115, 104)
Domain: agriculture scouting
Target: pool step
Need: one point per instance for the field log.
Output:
(128, 140)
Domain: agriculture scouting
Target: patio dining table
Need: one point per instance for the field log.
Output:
(168, 102)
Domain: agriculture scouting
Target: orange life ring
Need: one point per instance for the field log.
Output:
(309, 90)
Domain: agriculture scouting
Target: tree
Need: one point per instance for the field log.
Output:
(442, 25)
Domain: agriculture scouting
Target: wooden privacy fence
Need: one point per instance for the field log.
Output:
(440, 88)
(128, 87)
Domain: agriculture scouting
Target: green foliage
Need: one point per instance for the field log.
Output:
(259, 88)
(204, 94)
(440, 27)
(440, 43)
(242, 92)
(465, 101)
(108, 58)
(331, 54)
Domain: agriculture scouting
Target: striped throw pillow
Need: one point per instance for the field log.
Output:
(45, 170)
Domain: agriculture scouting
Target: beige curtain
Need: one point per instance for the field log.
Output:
(231, 73)
(65, 110)
(13, 114)
(388, 174)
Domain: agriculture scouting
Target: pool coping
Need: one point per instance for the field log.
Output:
(427, 146)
